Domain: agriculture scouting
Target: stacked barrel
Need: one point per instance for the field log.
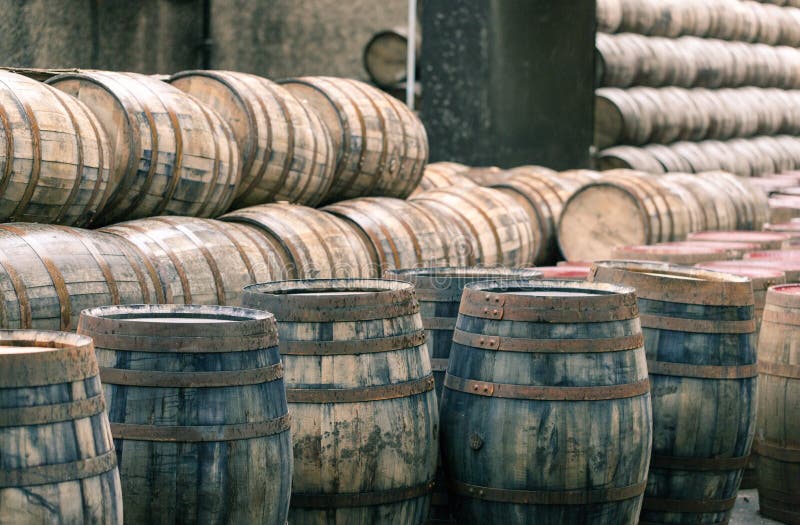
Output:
(697, 86)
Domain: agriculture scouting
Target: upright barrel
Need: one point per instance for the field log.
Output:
(778, 426)
(699, 328)
(172, 154)
(546, 412)
(198, 412)
(57, 460)
(361, 395)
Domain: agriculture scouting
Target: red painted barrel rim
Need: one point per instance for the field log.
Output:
(740, 235)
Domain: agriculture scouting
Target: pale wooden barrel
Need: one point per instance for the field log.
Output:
(172, 154)
(385, 57)
(675, 253)
(203, 261)
(381, 145)
(54, 156)
(496, 226)
(314, 244)
(404, 234)
(57, 458)
(48, 274)
(766, 240)
(628, 157)
(361, 395)
(198, 412)
(286, 151)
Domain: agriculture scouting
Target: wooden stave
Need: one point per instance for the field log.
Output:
(392, 301)
(652, 291)
(52, 272)
(313, 243)
(383, 165)
(87, 494)
(299, 170)
(203, 261)
(457, 424)
(188, 488)
(138, 100)
(62, 132)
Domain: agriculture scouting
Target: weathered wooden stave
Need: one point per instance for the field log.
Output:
(55, 157)
(443, 175)
(198, 411)
(51, 273)
(162, 164)
(286, 151)
(699, 337)
(56, 451)
(341, 474)
(495, 479)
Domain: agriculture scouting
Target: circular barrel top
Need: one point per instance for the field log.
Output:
(784, 296)
(673, 283)
(175, 321)
(666, 249)
(774, 254)
(564, 271)
(37, 358)
(548, 301)
(331, 300)
(739, 236)
(760, 276)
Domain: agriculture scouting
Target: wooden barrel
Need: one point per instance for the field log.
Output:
(48, 274)
(56, 452)
(737, 250)
(54, 156)
(404, 234)
(385, 56)
(563, 272)
(766, 240)
(792, 228)
(511, 367)
(790, 254)
(609, 15)
(203, 261)
(777, 433)
(699, 332)
(783, 208)
(752, 205)
(172, 154)
(628, 157)
(198, 412)
(361, 396)
(313, 243)
(719, 210)
(790, 267)
(497, 228)
(675, 253)
(381, 145)
(443, 175)
(286, 151)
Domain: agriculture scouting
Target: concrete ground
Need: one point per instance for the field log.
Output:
(746, 510)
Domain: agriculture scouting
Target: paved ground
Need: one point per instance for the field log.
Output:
(746, 510)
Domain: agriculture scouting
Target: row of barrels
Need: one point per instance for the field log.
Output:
(740, 20)
(651, 209)
(650, 333)
(96, 147)
(644, 115)
(630, 59)
(748, 157)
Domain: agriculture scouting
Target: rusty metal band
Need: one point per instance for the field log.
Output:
(548, 315)
(79, 163)
(219, 284)
(439, 364)
(139, 258)
(367, 123)
(688, 505)
(697, 464)
(547, 497)
(353, 347)
(699, 326)
(780, 453)
(56, 277)
(781, 316)
(203, 345)
(214, 183)
(222, 378)
(20, 292)
(360, 499)
(228, 234)
(56, 413)
(548, 346)
(36, 162)
(290, 141)
(664, 368)
(98, 190)
(779, 370)
(105, 269)
(439, 323)
(8, 167)
(200, 434)
(547, 393)
(59, 472)
(357, 395)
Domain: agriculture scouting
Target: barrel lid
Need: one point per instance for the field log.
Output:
(548, 301)
(728, 245)
(774, 254)
(564, 271)
(761, 276)
(686, 248)
(331, 300)
(784, 295)
(674, 283)
(736, 235)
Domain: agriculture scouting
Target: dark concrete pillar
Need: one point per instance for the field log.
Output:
(509, 82)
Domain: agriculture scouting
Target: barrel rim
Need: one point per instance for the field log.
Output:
(426, 275)
(382, 289)
(55, 339)
(595, 288)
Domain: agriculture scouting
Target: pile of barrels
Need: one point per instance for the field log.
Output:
(697, 86)
(97, 147)
(334, 400)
